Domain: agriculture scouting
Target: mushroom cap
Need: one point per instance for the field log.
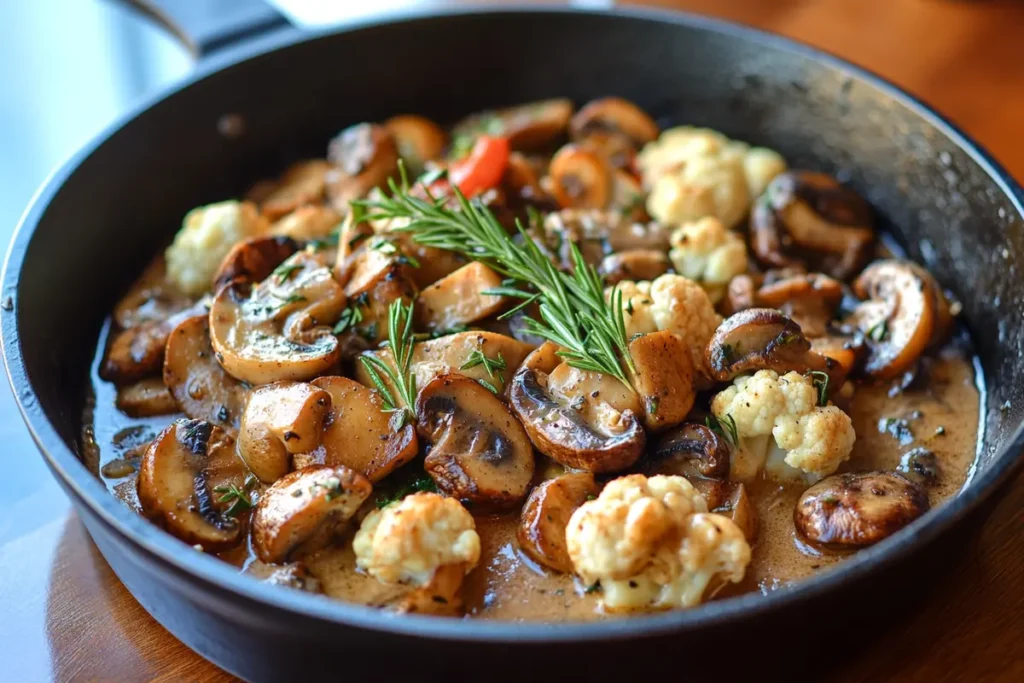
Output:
(617, 115)
(281, 419)
(301, 184)
(200, 386)
(363, 156)
(808, 219)
(634, 264)
(306, 508)
(359, 434)
(906, 304)
(692, 449)
(855, 510)
(183, 477)
(479, 451)
(254, 259)
(561, 432)
(763, 339)
(138, 352)
(581, 178)
(532, 126)
(541, 531)
(418, 139)
(277, 330)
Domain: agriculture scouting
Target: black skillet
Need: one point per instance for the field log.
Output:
(102, 216)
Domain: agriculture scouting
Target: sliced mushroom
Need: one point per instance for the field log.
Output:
(280, 328)
(905, 314)
(855, 510)
(541, 531)
(479, 451)
(146, 398)
(359, 434)
(634, 264)
(280, 420)
(418, 139)
(845, 351)
(609, 231)
(617, 148)
(254, 259)
(581, 178)
(808, 219)
(378, 277)
(461, 353)
(764, 339)
(138, 352)
(691, 450)
(459, 299)
(808, 300)
(364, 156)
(663, 377)
(585, 431)
(305, 509)
(303, 183)
(198, 383)
(152, 297)
(617, 115)
(533, 126)
(193, 484)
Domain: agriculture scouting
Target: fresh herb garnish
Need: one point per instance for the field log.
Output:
(350, 317)
(573, 309)
(652, 405)
(725, 426)
(493, 366)
(592, 588)
(383, 245)
(879, 331)
(326, 242)
(400, 344)
(420, 483)
(820, 381)
(291, 299)
(487, 385)
(238, 497)
(285, 270)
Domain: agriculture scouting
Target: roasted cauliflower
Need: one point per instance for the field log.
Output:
(781, 428)
(709, 253)
(651, 544)
(698, 172)
(206, 236)
(674, 303)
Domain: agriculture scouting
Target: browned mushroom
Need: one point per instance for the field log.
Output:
(459, 299)
(376, 276)
(576, 427)
(364, 156)
(855, 510)
(533, 126)
(809, 220)
(254, 259)
(740, 509)
(905, 314)
(305, 509)
(281, 328)
(419, 140)
(303, 183)
(138, 352)
(615, 115)
(764, 339)
(691, 450)
(663, 376)
(581, 178)
(198, 383)
(634, 264)
(359, 434)
(479, 451)
(152, 297)
(808, 300)
(541, 531)
(193, 484)
(599, 234)
(146, 398)
(280, 420)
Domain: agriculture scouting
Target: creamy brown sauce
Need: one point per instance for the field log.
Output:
(943, 417)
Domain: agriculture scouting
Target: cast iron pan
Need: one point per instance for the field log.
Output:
(102, 216)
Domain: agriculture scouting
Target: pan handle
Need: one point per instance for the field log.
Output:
(206, 27)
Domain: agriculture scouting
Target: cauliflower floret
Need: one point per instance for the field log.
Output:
(781, 427)
(409, 541)
(697, 172)
(651, 544)
(674, 303)
(706, 251)
(206, 236)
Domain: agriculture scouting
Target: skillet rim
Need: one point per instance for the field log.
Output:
(206, 573)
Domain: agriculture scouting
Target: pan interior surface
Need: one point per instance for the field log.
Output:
(84, 241)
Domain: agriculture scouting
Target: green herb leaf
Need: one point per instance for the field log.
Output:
(726, 427)
(350, 317)
(493, 366)
(488, 385)
(420, 483)
(400, 344)
(285, 270)
(879, 331)
(820, 381)
(238, 497)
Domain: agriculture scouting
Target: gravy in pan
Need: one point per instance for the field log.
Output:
(942, 417)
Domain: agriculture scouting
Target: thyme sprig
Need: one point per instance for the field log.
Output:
(400, 341)
(574, 312)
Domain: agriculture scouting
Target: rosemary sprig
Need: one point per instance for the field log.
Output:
(493, 366)
(726, 426)
(400, 342)
(238, 497)
(573, 310)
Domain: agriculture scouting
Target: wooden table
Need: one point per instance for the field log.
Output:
(66, 616)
